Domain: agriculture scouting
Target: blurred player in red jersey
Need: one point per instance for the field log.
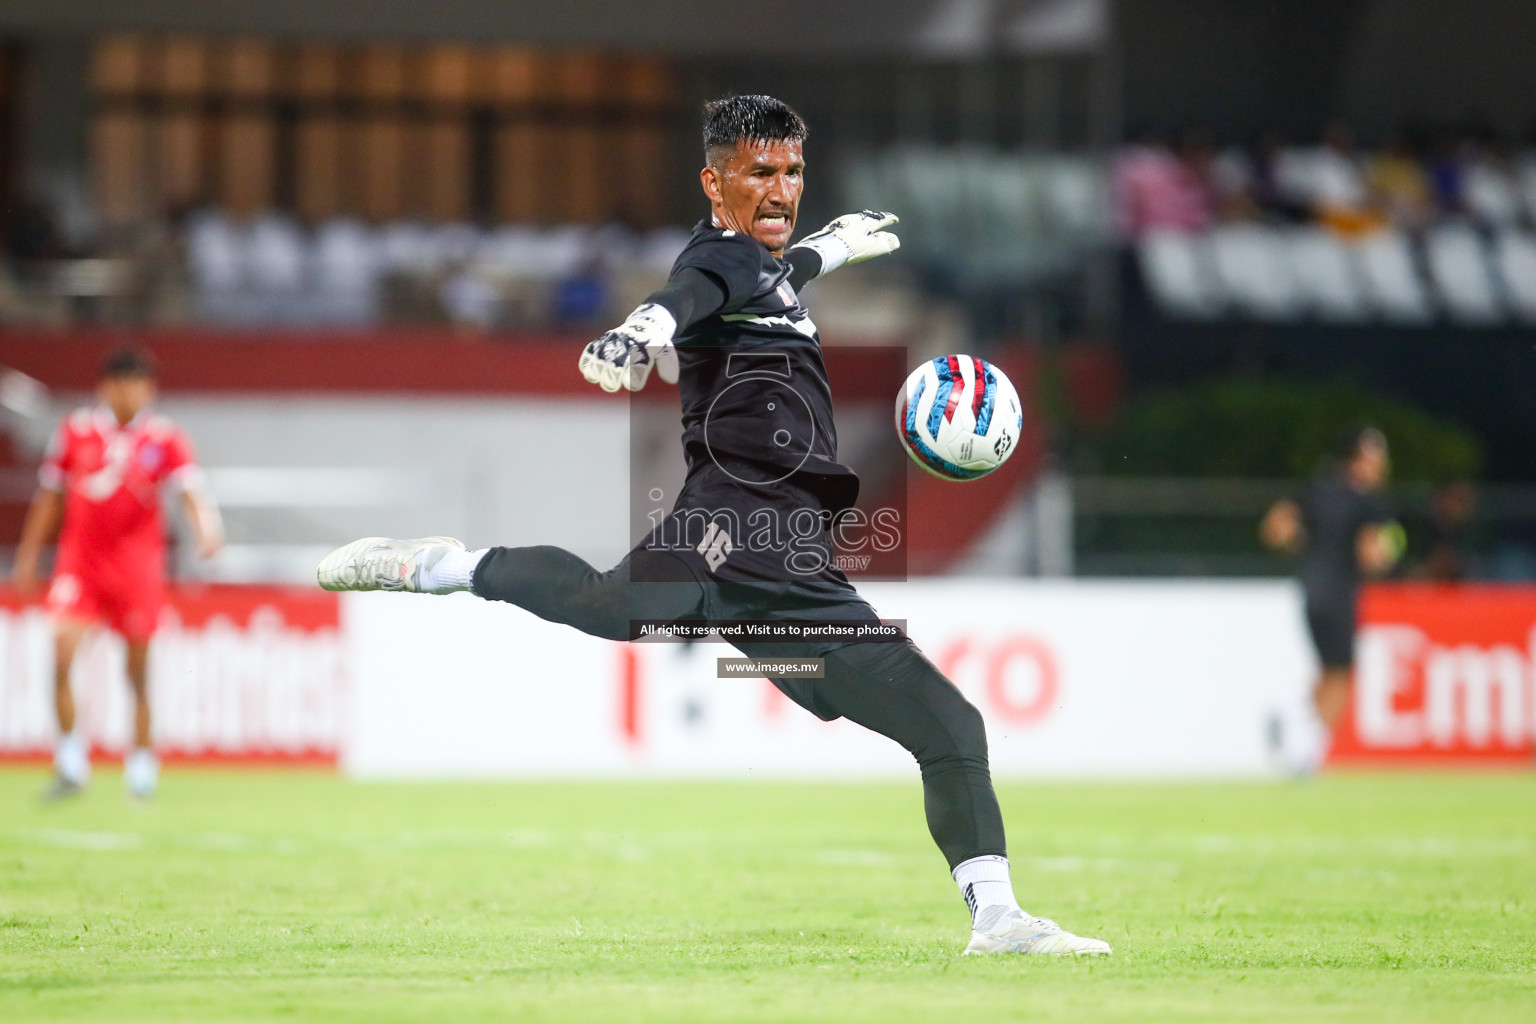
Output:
(102, 477)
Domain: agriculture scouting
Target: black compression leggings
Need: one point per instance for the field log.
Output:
(889, 688)
(893, 690)
(557, 585)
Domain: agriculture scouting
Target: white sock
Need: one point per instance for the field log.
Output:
(141, 770)
(984, 883)
(72, 758)
(453, 572)
(1307, 741)
(1314, 751)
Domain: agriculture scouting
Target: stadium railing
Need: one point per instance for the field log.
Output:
(1173, 526)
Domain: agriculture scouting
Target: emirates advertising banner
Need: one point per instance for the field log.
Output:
(1075, 679)
(1443, 675)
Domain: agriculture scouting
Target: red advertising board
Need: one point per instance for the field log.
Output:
(237, 674)
(1443, 675)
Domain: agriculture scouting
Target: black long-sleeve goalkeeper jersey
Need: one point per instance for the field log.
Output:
(753, 384)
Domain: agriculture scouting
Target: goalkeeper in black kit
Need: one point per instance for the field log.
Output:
(730, 331)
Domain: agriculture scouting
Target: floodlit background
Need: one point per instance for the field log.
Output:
(367, 242)
(367, 239)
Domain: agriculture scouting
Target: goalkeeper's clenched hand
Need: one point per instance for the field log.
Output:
(852, 238)
(625, 355)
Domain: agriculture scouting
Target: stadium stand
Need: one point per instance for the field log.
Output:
(1326, 275)
(1391, 279)
(1251, 267)
(344, 272)
(1176, 266)
(1281, 274)
(1515, 253)
(1459, 268)
(1425, 228)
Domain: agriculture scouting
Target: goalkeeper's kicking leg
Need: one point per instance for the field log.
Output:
(550, 582)
(889, 688)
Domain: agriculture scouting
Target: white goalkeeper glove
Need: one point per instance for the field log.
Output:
(625, 355)
(852, 238)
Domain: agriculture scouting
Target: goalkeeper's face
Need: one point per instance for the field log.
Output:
(755, 189)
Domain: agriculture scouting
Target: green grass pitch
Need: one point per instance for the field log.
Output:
(298, 896)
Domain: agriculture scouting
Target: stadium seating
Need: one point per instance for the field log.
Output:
(1515, 257)
(1391, 280)
(272, 271)
(1280, 274)
(1327, 275)
(346, 269)
(277, 260)
(215, 258)
(986, 216)
(1458, 266)
(1178, 272)
(1252, 267)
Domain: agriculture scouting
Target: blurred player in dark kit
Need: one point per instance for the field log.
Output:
(1448, 539)
(101, 479)
(1340, 531)
(730, 330)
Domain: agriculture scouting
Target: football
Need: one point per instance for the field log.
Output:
(959, 417)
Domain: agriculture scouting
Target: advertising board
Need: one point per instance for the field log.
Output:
(236, 674)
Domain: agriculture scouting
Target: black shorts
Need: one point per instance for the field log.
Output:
(1332, 626)
(761, 552)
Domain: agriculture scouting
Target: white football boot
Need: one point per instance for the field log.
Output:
(1005, 930)
(382, 563)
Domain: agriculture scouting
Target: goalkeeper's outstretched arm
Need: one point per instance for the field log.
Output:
(625, 356)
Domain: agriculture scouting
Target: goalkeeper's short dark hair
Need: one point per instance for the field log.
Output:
(736, 119)
(128, 362)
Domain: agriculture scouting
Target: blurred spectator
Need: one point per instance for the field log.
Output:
(580, 299)
(271, 269)
(1450, 517)
(1400, 187)
(1155, 190)
(1226, 178)
(1413, 186)
(1248, 186)
(1327, 183)
(1292, 171)
(1525, 172)
(1197, 152)
(32, 236)
(275, 256)
(1446, 177)
(1491, 186)
(33, 232)
(469, 299)
(345, 274)
(1234, 185)
(1339, 197)
(1265, 184)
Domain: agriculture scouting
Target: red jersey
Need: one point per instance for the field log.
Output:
(110, 476)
